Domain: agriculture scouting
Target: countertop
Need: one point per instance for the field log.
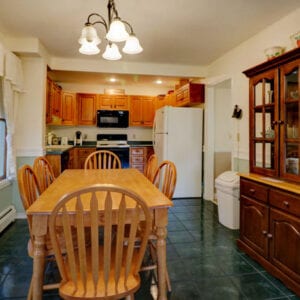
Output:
(277, 183)
(59, 149)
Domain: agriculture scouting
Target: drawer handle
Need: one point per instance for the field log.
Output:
(252, 191)
(285, 203)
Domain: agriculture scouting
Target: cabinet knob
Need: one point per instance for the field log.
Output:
(264, 232)
(285, 203)
(269, 235)
(252, 191)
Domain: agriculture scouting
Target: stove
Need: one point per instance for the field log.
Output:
(116, 143)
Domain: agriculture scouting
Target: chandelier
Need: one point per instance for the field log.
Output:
(115, 32)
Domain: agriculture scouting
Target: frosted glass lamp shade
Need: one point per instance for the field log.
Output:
(112, 52)
(89, 48)
(89, 34)
(132, 45)
(117, 31)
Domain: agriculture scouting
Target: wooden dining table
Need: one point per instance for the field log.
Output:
(71, 180)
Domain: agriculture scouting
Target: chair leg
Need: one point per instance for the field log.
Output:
(29, 295)
(129, 297)
(168, 281)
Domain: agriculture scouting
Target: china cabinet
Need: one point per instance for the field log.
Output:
(270, 193)
(274, 108)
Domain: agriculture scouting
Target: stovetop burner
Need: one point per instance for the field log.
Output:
(112, 140)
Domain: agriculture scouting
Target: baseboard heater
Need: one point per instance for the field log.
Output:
(7, 216)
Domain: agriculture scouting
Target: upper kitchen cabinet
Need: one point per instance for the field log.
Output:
(112, 102)
(86, 104)
(142, 109)
(190, 94)
(68, 109)
(274, 116)
(53, 102)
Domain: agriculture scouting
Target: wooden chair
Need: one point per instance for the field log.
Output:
(29, 191)
(108, 267)
(164, 179)
(151, 167)
(44, 172)
(102, 159)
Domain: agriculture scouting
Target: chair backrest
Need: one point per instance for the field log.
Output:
(28, 188)
(28, 185)
(107, 262)
(151, 167)
(102, 159)
(165, 178)
(44, 172)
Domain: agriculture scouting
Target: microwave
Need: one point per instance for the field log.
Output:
(112, 118)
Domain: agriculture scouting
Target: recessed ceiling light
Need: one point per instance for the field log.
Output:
(112, 79)
(158, 81)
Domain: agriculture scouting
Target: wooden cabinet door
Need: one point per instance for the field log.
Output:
(254, 225)
(147, 111)
(285, 243)
(113, 102)
(68, 108)
(141, 110)
(48, 101)
(86, 109)
(80, 155)
(56, 100)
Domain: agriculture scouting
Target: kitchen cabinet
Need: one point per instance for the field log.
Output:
(142, 110)
(274, 106)
(58, 161)
(68, 109)
(161, 101)
(71, 162)
(190, 94)
(113, 102)
(270, 226)
(53, 102)
(80, 155)
(86, 104)
(139, 157)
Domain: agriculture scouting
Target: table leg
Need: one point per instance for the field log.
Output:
(161, 262)
(38, 267)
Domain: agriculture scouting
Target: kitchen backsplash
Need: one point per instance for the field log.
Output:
(89, 133)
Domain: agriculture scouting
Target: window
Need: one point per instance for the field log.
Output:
(2, 149)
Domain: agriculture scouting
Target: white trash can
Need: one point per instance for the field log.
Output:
(228, 192)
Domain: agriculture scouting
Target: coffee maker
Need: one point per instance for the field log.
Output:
(78, 138)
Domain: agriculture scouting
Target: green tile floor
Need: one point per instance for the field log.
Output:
(203, 261)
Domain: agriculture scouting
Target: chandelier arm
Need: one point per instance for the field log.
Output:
(130, 27)
(102, 21)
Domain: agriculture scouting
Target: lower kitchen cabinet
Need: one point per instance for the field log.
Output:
(59, 162)
(80, 155)
(139, 157)
(270, 228)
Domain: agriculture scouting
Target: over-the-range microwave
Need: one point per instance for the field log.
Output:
(112, 118)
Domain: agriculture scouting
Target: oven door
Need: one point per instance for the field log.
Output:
(121, 152)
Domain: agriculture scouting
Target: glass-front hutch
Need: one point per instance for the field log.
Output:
(274, 117)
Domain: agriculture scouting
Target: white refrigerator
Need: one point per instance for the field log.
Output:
(177, 136)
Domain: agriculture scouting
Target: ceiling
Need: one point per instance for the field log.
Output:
(183, 32)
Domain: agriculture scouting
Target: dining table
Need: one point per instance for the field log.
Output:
(73, 179)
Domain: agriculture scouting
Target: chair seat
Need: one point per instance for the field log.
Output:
(67, 289)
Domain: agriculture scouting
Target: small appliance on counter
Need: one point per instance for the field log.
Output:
(78, 138)
(50, 137)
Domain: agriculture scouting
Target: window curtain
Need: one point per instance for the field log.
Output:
(11, 86)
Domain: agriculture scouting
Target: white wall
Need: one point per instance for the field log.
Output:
(30, 130)
(247, 55)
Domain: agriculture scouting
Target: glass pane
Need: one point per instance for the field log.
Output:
(258, 124)
(269, 118)
(292, 158)
(269, 93)
(291, 81)
(258, 94)
(292, 117)
(258, 154)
